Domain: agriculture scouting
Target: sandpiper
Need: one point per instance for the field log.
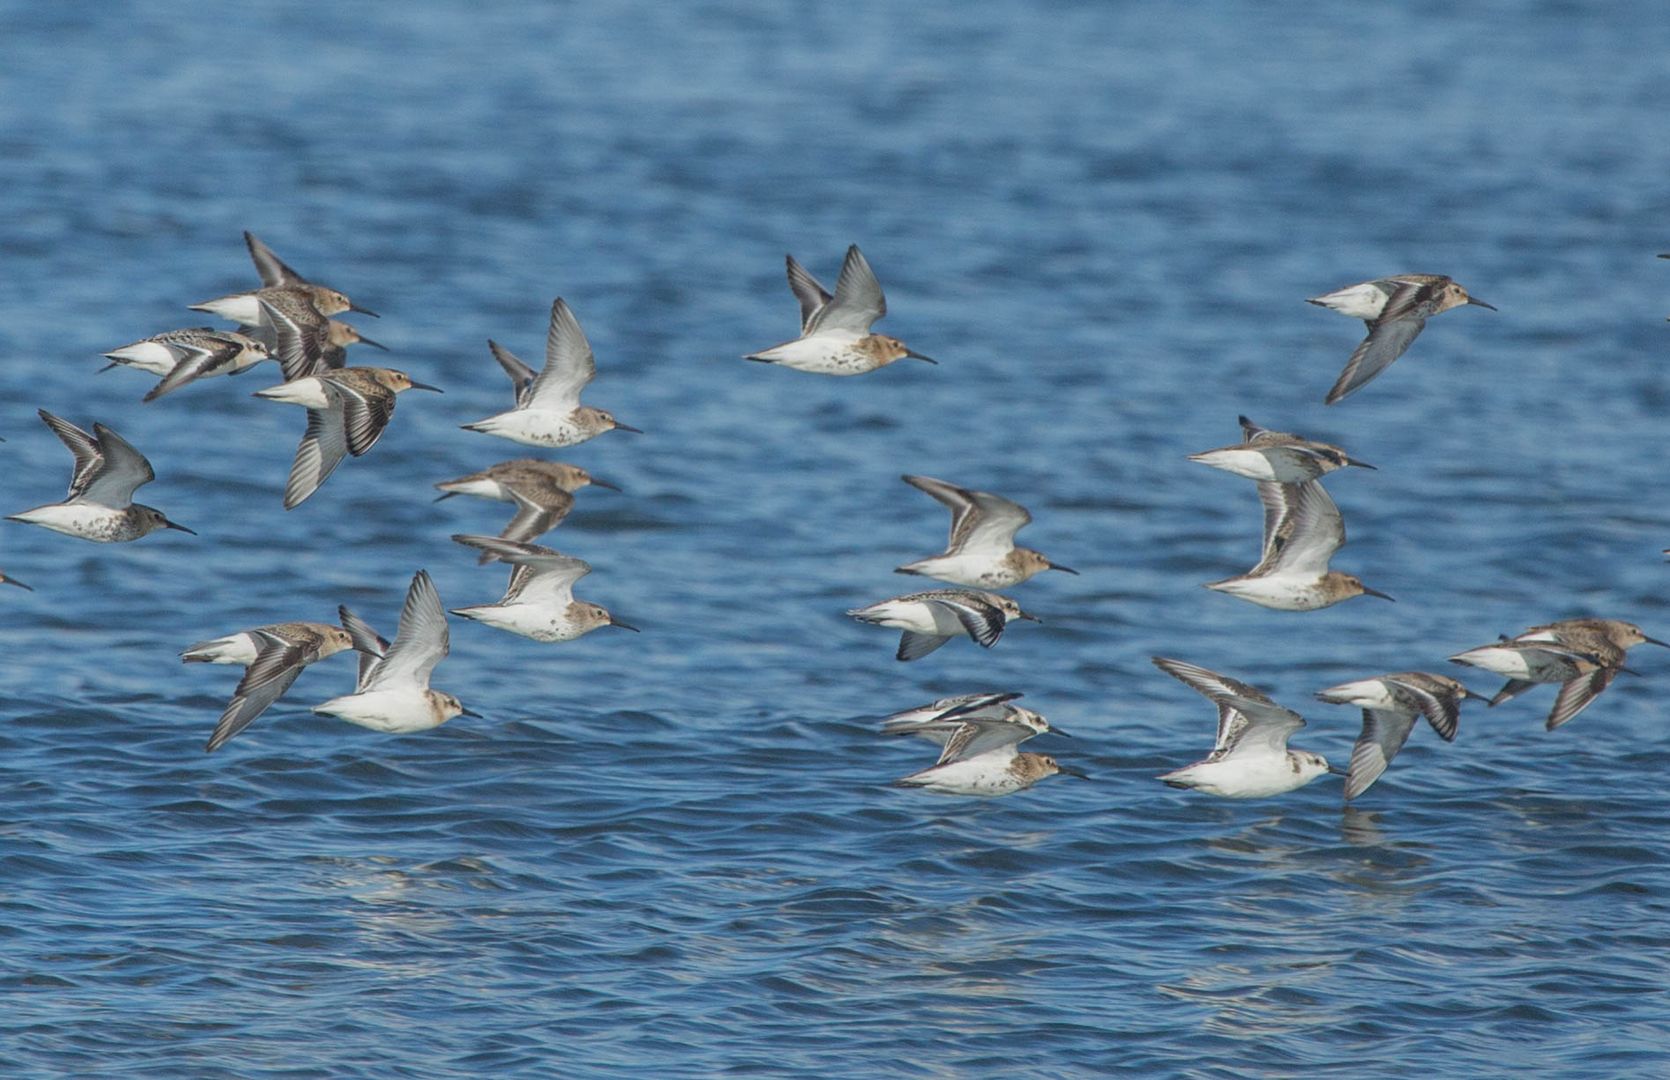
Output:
(548, 410)
(1277, 456)
(273, 655)
(1584, 655)
(543, 492)
(538, 601)
(347, 411)
(393, 693)
(1302, 530)
(1390, 704)
(100, 506)
(835, 336)
(244, 308)
(181, 356)
(1395, 309)
(975, 725)
(930, 619)
(982, 551)
(1250, 759)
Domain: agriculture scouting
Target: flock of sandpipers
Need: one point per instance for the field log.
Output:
(288, 320)
(979, 733)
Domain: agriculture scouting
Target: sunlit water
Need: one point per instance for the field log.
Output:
(676, 852)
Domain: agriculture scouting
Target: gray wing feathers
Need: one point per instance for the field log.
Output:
(914, 646)
(321, 450)
(569, 363)
(270, 266)
(421, 641)
(521, 375)
(1384, 733)
(1387, 339)
(858, 301)
(808, 290)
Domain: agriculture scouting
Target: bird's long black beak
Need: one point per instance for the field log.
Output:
(1466, 693)
(1063, 569)
(425, 386)
(107, 367)
(1359, 464)
(177, 528)
(374, 344)
(470, 713)
(445, 495)
(1376, 592)
(4, 580)
(1337, 771)
(623, 625)
(914, 355)
(1655, 641)
(1067, 770)
(362, 310)
(1028, 617)
(1057, 731)
(1476, 302)
(605, 484)
(627, 427)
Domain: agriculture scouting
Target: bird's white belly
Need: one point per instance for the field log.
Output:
(973, 777)
(535, 427)
(536, 621)
(90, 521)
(308, 392)
(151, 356)
(1509, 663)
(917, 616)
(231, 649)
(1245, 778)
(242, 308)
(1283, 592)
(984, 570)
(821, 354)
(1358, 301)
(1251, 464)
(1368, 693)
(481, 489)
(395, 711)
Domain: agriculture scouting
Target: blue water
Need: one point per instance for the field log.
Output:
(676, 853)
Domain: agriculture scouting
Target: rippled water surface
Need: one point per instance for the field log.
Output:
(676, 853)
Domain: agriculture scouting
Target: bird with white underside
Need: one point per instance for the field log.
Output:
(835, 337)
(1251, 758)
